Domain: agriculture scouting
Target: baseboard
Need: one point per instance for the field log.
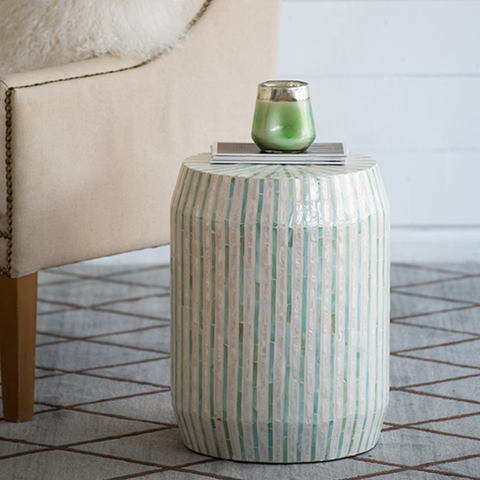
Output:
(435, 244)
(149, 256)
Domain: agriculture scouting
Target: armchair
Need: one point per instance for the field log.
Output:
(92, 152)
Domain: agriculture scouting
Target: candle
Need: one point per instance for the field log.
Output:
(283, 119)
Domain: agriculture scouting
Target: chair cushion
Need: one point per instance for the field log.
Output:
(41, 33)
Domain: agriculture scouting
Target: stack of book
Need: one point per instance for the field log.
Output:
(317, 153)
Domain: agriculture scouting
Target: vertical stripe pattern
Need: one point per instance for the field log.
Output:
(280, 309)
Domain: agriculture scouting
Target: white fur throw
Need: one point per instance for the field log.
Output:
(42, 33)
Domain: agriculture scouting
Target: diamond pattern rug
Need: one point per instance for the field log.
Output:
(103, 408)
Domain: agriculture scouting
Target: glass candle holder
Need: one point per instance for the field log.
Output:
(283, 119)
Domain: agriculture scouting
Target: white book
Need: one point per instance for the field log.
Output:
(317, 153)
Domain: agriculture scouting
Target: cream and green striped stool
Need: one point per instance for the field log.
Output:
(280, 309)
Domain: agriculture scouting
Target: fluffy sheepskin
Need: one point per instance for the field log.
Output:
(41, 33)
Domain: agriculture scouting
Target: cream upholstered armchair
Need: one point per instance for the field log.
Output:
(92, 152)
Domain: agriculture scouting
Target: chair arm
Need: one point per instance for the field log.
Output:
(95, 147)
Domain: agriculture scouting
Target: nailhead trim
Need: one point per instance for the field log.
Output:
(197, 17)
(8, 235)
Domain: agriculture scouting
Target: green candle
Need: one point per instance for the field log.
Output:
(283, 119)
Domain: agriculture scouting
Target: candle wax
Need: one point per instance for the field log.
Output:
(283, 126)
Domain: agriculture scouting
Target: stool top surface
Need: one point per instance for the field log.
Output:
(355, 163)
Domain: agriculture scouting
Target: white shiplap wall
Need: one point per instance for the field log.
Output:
(400, 80)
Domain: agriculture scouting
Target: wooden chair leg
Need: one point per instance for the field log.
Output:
(18, 322)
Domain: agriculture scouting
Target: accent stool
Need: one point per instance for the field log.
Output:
(280, 309)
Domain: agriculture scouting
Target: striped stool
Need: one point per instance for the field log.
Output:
(280, 309)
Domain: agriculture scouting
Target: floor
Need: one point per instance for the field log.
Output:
(103, 401)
